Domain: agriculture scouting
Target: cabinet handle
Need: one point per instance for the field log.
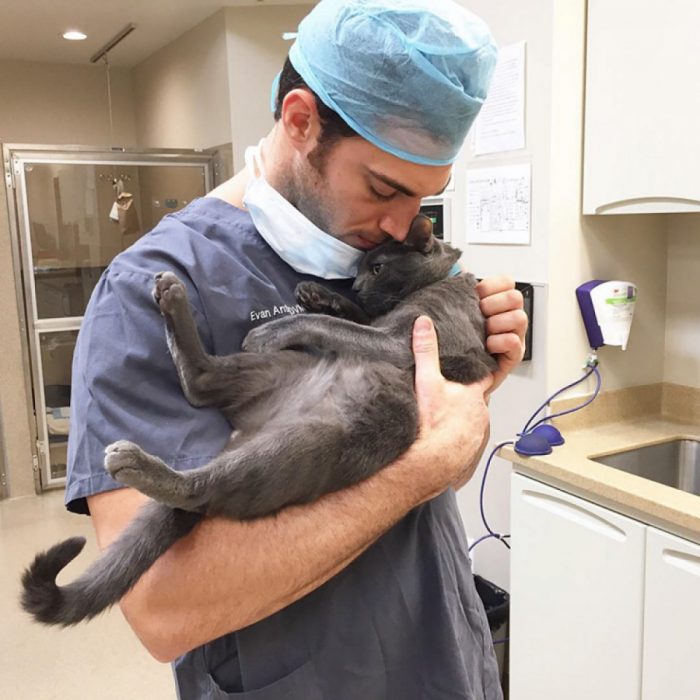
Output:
(688, 203)
(681, 560)
(575, 513)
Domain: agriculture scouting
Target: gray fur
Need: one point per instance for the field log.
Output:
(318, 401)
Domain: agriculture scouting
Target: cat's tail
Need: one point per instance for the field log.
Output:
(145, 539)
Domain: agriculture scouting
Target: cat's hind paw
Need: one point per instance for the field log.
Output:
(123, 455)
(128, 464)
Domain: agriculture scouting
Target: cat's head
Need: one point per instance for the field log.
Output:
(393, 270)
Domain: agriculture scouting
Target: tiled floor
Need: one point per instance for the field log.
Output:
(101, 659)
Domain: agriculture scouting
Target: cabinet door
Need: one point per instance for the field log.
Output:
(642, 107)
(577, 574)
(671, 618)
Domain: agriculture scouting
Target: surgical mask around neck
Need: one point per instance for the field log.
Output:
(298, 241)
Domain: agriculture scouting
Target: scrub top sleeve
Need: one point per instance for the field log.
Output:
(125, 386)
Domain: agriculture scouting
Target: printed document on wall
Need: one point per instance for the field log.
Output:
(498, 205)
(500, 125)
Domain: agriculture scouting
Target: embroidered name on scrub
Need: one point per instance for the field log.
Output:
(281, 310)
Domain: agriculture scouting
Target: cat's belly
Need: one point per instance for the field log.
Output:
(341, 390)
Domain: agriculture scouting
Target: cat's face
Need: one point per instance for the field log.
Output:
(393, 270)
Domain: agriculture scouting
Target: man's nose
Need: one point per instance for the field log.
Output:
(397, 223)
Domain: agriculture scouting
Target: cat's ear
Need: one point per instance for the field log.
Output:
(420, 234)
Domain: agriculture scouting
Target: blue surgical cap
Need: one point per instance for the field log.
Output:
(409, 76)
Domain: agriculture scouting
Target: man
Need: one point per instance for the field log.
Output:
(365, 594)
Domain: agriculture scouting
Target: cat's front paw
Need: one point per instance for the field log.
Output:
(168, 292)
(314, 297)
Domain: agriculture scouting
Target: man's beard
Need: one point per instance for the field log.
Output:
(304, 190)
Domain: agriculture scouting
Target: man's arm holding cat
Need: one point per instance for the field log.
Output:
(226, 575)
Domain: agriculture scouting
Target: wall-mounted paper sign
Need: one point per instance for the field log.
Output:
(500, 125)
(498, 205)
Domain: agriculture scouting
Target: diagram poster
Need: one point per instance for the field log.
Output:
(498, 205)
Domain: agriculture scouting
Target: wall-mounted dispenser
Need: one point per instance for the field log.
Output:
(607, 309)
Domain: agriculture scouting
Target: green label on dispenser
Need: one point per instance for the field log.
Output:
(620, 300)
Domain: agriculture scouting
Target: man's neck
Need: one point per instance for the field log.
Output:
(233, 190)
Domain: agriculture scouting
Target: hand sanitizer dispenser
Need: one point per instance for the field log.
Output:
(607, 309)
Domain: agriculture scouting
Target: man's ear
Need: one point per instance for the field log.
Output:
(420, 234)
(300, 118)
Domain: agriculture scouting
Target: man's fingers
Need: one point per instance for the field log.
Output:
(429, 382)
(508, 322)
(494, 285)
(509, 344)
(425, 350)
(501, 302)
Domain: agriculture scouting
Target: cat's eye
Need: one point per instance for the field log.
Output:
(376, 269)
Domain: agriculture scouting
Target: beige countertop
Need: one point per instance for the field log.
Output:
(622, 420)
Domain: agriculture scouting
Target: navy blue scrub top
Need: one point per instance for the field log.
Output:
(401, 622)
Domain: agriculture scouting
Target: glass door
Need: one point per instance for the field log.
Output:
(76, 210)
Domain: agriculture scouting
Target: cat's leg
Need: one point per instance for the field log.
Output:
(131, 466)
(328, 334)
(221, 381)
(318, 299)
(253, 477)
(270, 470)
(193, 364)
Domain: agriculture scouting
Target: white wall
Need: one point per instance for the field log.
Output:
(64, 104)
(256, 53)
(566, 249)
(510, 406)
(682, 361)
(181, 95)
(511, 22)
(212, 84)
(630, 247)
(595, 247)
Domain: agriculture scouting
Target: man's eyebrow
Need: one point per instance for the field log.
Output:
(398, 186)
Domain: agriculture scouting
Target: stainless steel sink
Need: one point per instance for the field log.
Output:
(674, 463)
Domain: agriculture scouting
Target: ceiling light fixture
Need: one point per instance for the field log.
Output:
(74, 35)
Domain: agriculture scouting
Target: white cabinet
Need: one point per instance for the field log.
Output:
(602, 606)
(671, 619)
(577, 573)
(642, 120)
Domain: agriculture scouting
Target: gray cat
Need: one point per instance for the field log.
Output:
(318, 402)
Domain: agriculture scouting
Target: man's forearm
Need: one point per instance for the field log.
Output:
(226, 574)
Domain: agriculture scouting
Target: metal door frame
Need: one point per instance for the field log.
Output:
(15, 156)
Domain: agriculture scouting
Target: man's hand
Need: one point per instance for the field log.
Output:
(506, 324)
(453, 417)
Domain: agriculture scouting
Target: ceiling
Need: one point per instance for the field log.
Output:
(30, 30)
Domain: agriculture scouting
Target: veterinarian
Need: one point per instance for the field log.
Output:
(366, 594)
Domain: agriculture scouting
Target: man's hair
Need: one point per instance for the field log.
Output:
(333, 128)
